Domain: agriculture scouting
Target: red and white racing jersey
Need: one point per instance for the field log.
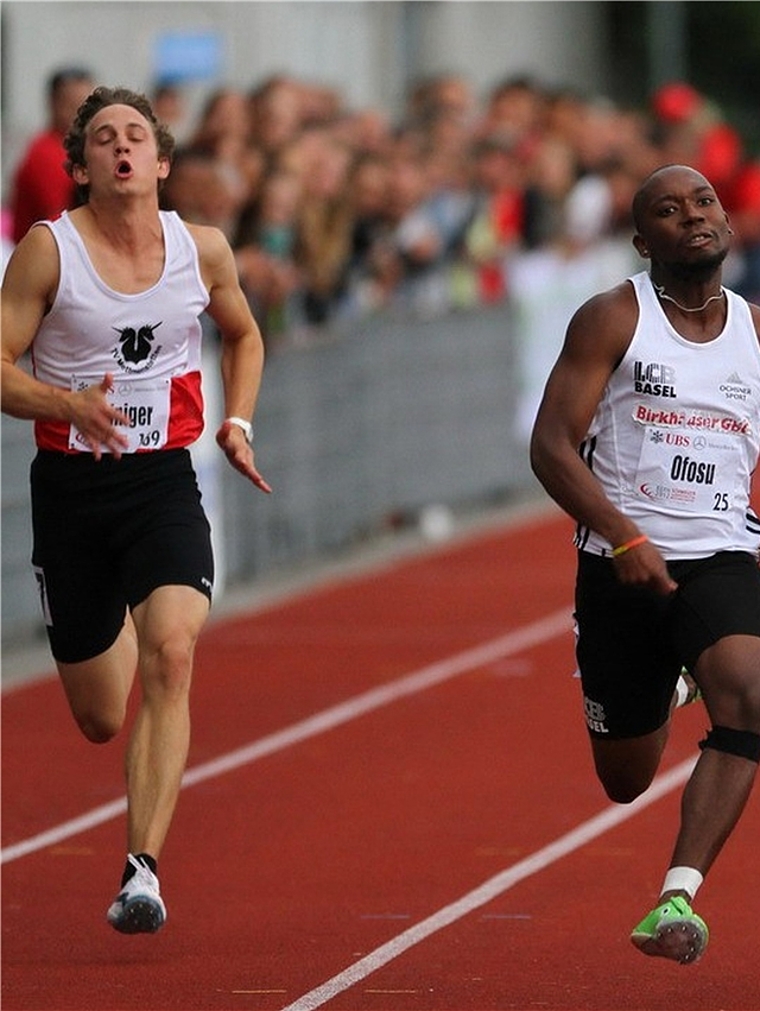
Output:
(150, 342)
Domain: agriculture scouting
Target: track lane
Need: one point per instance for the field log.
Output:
(281, 873)
(256, 673)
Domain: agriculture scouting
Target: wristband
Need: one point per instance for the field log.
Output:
(245, 425)
(634, 543)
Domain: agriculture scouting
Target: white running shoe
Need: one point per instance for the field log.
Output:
(138, 908)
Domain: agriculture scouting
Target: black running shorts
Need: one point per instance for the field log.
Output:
(106, 534)
(632, 643)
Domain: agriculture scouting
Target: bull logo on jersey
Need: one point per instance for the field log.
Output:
(136, 351)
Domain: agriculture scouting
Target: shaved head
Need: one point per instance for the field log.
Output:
(654, 181)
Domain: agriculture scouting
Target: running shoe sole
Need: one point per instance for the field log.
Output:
(672, 931)
(140, 915)
(681, 941)
(138, 908)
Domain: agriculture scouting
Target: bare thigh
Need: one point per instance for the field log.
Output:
(98, 689)
(627, 766)
(728, 673)
(168, 624)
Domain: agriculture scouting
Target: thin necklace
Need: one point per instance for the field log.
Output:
(660, 289)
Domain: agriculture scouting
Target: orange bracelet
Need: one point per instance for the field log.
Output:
(633, 543)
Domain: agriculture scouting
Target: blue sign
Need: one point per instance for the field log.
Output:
(187, 56)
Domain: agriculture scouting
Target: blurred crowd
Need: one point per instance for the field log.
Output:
(334, 213)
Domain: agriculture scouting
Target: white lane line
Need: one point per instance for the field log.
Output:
(513, 642)
(490, 889)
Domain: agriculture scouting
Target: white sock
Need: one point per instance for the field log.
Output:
(682, 879)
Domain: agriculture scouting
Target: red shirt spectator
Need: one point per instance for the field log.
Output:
(41, 187)
(697, 134)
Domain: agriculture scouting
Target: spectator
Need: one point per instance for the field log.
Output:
(277, 225)
(224, 133)
(550, 176)
(597, 136)
(277, 114)
(414, 235)
(374, 267)
(443, 95)
(366, 131)
(744, 208)
(514, 114)
(170, 106)
(324, 229)
(41, 186)
(267, 242)
(199, 190)
(434, 208)
(591, 206)
(693, 132)
(497, 225)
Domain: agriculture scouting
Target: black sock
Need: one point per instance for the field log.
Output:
(145, 859)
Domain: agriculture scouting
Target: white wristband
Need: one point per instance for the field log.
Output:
(245, 425)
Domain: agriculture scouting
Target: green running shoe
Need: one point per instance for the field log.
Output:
(672, 930)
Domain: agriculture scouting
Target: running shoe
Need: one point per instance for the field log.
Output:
(672, 930)
(138, 908)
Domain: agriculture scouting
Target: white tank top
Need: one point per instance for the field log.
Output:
(150, 342)
(675, 438)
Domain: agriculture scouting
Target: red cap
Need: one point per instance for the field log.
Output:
(676, 102)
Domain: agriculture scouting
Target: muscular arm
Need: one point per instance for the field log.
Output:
(596, 340)
(242, 346)
(28, 290)
(29, 287)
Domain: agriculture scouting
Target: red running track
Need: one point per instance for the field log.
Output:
(390, 805)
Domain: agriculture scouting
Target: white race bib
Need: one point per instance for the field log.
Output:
(688, 470)
(145, 402)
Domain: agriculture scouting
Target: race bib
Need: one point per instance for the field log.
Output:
(145, 402)
(694, 472)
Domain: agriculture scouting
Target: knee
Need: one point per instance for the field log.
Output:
(167, 666)
(624, 781)
(728, 675)
(740, 708)
(751, 706)
(624, 790)
(99, 728)
(627, 766)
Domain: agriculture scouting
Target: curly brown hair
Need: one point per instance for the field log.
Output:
(99, 99)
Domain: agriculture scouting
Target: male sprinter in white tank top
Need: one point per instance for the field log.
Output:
(107, 298)
(647, 436)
